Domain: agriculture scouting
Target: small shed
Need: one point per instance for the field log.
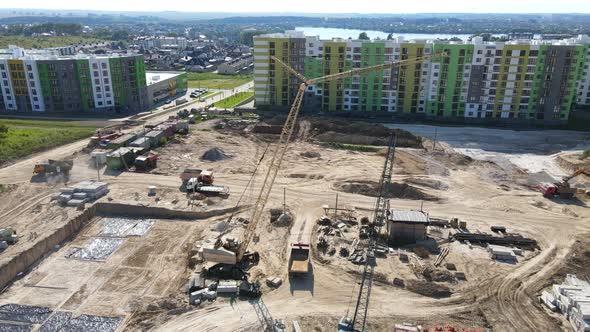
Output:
(405, 226)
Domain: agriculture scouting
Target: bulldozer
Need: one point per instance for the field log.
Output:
(562, 189)
(53, 167)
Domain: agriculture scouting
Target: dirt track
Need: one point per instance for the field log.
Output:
(481, 193)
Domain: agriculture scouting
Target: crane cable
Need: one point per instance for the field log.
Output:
(247, 186)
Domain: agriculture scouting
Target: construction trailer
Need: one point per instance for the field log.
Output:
(142, 142)
(121, 141)
(155, 137)
(405, 227)
(120, 159)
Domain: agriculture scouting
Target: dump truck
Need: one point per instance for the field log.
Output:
(53, 167)
(203, 176)
(145, 163)
(8, 235)
(299, 260)
(195, 185)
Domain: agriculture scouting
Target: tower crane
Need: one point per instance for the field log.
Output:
(287, 131)
(359, 317)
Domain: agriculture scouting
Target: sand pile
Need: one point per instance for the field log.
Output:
(215, 154)
(393, 190)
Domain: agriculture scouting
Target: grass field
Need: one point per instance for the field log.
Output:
(29, 136)
(216, 81)
(234, 100)
(42, 42)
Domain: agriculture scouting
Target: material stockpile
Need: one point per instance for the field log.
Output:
(215, 154)
(82, 192)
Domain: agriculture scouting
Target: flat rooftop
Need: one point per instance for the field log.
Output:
(408, 217)
(153, 77)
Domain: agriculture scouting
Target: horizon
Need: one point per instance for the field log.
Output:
(309, 7)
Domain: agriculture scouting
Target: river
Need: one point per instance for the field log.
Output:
(329, 33)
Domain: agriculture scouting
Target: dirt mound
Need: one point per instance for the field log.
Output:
(215, 154)
(311, 154)
(438, 275)
(429, 183)
(427, 288)
(393, 190)
(358, 132)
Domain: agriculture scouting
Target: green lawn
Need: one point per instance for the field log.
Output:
(29, 136)
(216, 81)
(234, 100)
(42, 42)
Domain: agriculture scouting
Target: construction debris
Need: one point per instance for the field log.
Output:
(507, 239)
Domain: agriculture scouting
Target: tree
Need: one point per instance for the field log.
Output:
(455, 39)
(364, 36)
(120, 35)
(390, 36)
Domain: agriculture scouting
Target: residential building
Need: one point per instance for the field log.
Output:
(242, 64)
(536, 81)
(40, 81)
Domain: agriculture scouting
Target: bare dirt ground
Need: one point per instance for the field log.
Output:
(483, 193)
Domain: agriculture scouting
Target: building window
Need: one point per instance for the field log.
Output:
(103, 65)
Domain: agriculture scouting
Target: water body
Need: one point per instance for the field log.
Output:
(329, 33)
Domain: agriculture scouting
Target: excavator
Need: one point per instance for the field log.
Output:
(562, 189)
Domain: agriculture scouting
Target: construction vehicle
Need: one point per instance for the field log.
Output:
(287, 131)
(53, 167)
(194, 185)
(197, 180)
(203, 176)
(299, 260)
(359, 318)
(145, 163)
(562, 189)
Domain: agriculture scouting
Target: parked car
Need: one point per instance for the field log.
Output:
(168, 101)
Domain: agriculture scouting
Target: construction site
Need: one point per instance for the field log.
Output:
(288, 222)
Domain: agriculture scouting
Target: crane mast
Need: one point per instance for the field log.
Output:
(379, 218)
(287, 131)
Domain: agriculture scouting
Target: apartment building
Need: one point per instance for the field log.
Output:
(38, 81)
(532, 80)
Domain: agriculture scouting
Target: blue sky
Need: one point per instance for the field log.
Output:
(315, 6)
